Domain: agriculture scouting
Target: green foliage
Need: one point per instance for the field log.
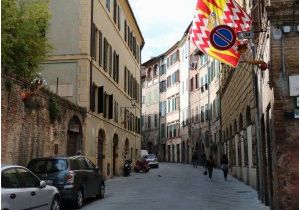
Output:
(54, 111)
(23, 36)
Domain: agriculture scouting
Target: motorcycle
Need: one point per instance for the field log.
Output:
(127, 167)
(142, 165)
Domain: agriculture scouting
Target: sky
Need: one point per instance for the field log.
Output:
(162, 23)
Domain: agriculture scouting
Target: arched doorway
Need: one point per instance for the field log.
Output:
(115, 153)
(101, 150)
(126, 149)
(74, 140)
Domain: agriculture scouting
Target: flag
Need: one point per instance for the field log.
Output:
(212, 13)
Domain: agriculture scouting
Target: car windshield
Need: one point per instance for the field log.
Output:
(150, 156)
(47, 165)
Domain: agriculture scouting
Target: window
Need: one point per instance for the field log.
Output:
(110, 106)
(9, 179)
(192, 84)
(125, 30)
(155, 120)
(149, 121)
(202, 113)
(163, 130)
(90, 164)
(115, 11)
(74, 164)
(173, 80)
(100, 99)
(100, 48)
(119, 25)
(197, 81)
(27, 179)
(108, 5)
(206, 111)
(163, 108)
(169, 81)
(162, 69)
(162, 86)
(94, 42)
(82, 164)
(116, 67)
(125, 79)
(116, 112)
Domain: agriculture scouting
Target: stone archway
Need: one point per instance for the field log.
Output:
(115, 153)
(74, 139)
(101, 149)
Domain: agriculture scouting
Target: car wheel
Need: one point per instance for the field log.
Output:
(55, 204)
(101, 193)
(79, 199)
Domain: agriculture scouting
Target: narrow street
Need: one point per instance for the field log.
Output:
(176, 187)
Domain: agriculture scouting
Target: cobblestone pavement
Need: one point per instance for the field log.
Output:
(176, 187)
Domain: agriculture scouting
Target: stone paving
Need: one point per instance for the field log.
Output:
(176, 187)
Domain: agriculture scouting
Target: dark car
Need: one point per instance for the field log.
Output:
(75, 177)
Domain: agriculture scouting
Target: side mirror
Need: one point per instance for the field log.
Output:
(42, 184)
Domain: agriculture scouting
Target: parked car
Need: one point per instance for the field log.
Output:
(152, 160)
(21, 189)
(75, 177)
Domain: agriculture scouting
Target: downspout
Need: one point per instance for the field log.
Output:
(91, 46)
(257, 123)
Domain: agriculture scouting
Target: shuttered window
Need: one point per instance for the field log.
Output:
(110, 106)
(100, 48)
(100, 99)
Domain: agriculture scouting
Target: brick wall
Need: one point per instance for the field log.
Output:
(26, 129)
(286, 131)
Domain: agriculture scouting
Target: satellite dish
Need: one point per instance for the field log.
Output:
(277, 33)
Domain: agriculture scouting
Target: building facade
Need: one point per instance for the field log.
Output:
(185, 98)
(96, 64)
(150, 105)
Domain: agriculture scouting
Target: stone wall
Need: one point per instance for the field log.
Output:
(26, 129)
(286, 127)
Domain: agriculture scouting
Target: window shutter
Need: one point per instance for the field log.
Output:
(104, 105)
(100, 48)
(110, 106)
(100, 99)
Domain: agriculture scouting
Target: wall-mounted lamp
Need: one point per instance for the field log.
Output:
(276, 33)
(286, 29)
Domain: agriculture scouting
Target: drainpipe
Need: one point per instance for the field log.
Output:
(257, 123)
(91, 46)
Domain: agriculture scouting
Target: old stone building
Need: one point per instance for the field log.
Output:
(95, 63)
(204, 104)
(150, 105)
(259, 106)
(37, 123)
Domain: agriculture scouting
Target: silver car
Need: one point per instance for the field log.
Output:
(21, 189)
(152, 160)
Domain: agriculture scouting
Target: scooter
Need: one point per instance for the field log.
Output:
(127, 167)
(141, 165)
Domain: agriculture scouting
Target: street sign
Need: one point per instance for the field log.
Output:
(245, 35)
(222, 37)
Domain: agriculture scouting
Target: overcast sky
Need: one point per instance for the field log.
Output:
(162, 23)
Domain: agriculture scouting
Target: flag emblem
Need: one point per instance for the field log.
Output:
(209, 15)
